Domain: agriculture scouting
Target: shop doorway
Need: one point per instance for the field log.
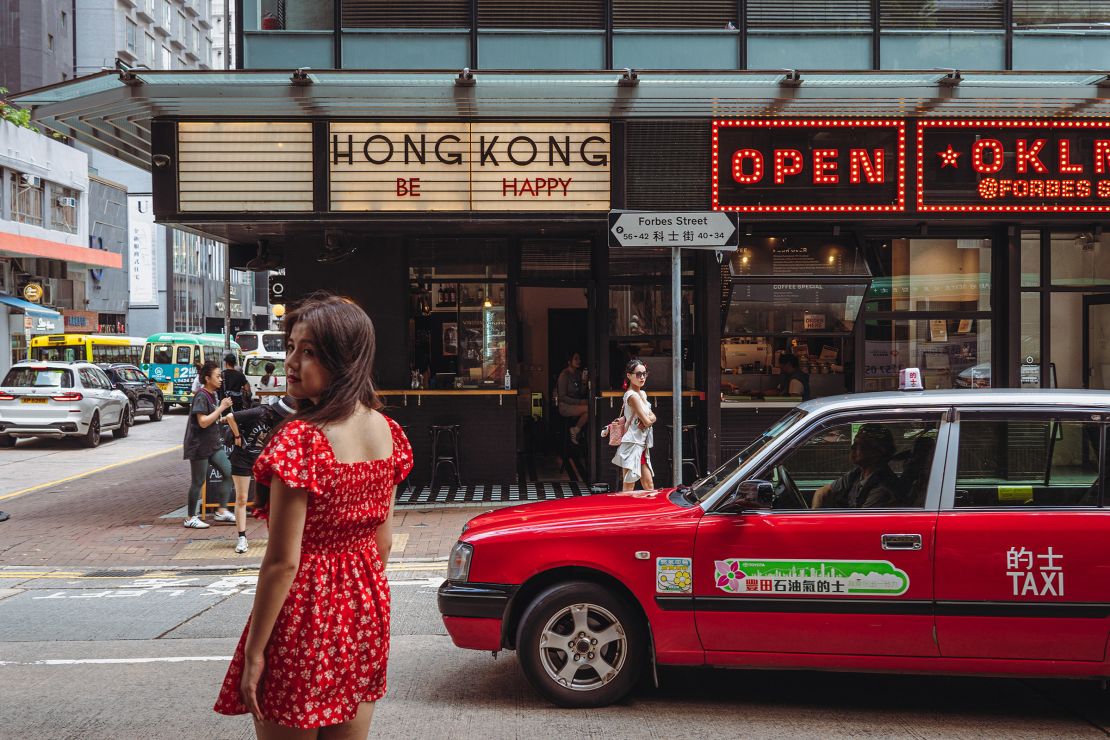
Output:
(1096, 342)
(553, 326)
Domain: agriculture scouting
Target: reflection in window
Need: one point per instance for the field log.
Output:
(1027, 462)
(297, 15)
(1071, 16)
(645, 310)
(792, 307)
(1079, 259)
(951, 353)
(931, 275)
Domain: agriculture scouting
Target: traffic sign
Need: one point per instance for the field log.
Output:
(686, 229)
(277, 289)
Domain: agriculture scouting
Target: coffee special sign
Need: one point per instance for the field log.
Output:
(862, 166)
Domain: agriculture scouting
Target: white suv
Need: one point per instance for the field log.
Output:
(61, 399)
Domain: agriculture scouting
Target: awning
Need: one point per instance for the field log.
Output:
(31, 309)
(112, 110)
(30, 246)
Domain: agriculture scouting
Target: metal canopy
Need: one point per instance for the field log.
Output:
(112, 110)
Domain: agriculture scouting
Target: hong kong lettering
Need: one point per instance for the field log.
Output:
(453, 150)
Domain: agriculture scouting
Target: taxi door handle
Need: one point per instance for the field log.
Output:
(901, 541)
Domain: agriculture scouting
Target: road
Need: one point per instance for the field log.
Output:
(115, 621)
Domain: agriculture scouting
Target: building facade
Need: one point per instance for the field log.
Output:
(36, 43)
(887, 216)
(156, 34)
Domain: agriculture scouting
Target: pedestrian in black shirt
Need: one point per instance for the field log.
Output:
(251, 428)
(204, 446)
(234, 382)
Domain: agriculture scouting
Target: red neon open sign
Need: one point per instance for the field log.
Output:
(1005, 166)
(809, 166)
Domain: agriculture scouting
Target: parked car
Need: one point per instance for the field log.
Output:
(61, 399)
(143, 393)
(254, 367)
(958, 532)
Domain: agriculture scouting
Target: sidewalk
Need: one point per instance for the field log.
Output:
(117, 518)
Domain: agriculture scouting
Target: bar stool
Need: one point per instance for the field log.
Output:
(691, 452)
(449, 434)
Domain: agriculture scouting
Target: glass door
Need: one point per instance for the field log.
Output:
(1096, 341)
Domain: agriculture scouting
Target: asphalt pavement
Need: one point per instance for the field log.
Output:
(115, 621)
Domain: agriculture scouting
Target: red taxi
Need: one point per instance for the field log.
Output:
(938, 531)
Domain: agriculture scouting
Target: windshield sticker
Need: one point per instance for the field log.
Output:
(811, 577)
(674, 575)
(1035, 574)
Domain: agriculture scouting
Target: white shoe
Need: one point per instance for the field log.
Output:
(227, 516)
(194, 522)
(241, 545)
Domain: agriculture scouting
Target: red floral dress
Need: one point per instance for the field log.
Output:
(329, 646)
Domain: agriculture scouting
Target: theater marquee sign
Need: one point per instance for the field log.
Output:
(469, 166)
(953, 167)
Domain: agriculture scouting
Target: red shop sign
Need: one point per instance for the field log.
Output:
(809, 166)
(1005, 166)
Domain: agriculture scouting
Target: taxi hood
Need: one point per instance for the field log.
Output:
(611, 508)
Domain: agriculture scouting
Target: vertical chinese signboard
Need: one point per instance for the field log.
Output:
(142, 265)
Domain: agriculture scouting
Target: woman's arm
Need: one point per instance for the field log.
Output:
(383, 538)
(642, 409)
(234, 426)
(288, 508)
(207, 420)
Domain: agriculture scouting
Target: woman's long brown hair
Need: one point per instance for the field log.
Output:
(343, 336)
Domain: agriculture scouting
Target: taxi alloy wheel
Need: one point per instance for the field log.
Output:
(582, 646)
(159, 409)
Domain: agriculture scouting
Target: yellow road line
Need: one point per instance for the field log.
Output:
(76, 575)
(94, 471)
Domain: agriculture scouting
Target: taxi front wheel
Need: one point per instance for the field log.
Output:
(582, 646)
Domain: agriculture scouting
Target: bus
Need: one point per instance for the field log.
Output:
(87, 348)
(261, 342)
(170, 360)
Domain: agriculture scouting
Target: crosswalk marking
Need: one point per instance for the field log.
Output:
(498, 493)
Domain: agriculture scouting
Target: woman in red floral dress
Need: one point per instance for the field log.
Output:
(312, 659)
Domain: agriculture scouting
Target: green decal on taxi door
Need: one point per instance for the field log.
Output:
(811, 577)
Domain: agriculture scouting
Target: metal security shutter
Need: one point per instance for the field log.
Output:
(668, 165)
(1076, 14)
(565, 260)
(406, 14)
(809, 14)
(913, 14)
(674, 13)
(541, 14)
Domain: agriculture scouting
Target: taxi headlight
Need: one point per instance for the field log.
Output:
(458, 565)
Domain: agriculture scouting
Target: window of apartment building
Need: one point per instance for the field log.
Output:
(167, 15)
(167, 59)
(151, 52)
(179, 26)
(207, 57)
(131, 33)
(63, 209)
(194, 39)
(26, 193)
(50, 42)
(65, 19)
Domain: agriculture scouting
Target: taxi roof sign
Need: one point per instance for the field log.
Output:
(909, 379)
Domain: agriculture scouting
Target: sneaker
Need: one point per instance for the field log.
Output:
(574, 435)
(226, 516)
(241, 545)
(194, 522)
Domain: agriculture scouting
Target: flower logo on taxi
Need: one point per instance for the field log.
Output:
(810, 577)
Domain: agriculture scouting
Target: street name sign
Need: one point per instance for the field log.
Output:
(686, 229)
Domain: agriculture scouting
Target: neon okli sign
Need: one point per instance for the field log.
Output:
(858, 166)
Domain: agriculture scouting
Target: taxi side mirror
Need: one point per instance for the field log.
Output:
(751, 494)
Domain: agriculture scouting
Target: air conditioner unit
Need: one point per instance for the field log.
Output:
(32, 181)
(67, 202)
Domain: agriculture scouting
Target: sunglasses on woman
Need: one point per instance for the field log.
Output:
(641, 373)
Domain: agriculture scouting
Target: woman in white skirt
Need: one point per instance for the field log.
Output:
(634, 453)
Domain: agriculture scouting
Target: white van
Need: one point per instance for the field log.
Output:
(265, 388)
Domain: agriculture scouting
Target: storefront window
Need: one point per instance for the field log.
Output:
(793, 307)
(297, 15)
(1030, 348)
(1030, 259)
(931, 275)
(951, 353)
(1079, 259)
(645, 310)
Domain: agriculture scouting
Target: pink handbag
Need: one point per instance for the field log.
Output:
(616, 429)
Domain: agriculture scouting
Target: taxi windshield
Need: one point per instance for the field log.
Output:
(704, 487)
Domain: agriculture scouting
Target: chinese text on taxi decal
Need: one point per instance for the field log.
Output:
(1024, 566)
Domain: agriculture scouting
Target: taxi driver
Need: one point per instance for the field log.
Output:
(871, 483)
